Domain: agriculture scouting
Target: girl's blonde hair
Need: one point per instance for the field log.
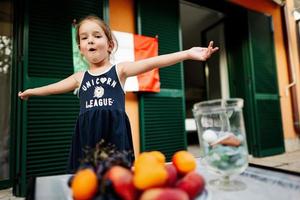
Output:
(110, 37)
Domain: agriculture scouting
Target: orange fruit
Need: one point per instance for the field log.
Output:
(84, 184)
(149, 170)
(184, 161)
(159, 156)
(152, 175)
(143, 160)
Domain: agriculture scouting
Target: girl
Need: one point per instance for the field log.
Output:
(102, 100)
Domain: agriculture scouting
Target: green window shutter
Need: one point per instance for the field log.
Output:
(253, 77)
(162, 115)
(48, 122)
(268, 131)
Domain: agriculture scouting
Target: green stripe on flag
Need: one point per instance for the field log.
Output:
(79, 62)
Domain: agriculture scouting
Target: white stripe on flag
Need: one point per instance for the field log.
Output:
(131, 84)
(125, 52)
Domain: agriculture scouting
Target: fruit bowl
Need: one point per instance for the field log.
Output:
(112, 177)
(205, 195)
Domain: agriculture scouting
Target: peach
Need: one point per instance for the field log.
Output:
(172, 175)
(192, 183)
(164, 194)
(122, 181)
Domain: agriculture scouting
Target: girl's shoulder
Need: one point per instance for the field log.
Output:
(120, 67)
(78, 76)
(120, 71)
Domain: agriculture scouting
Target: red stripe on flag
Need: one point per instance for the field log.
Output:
(146, 47)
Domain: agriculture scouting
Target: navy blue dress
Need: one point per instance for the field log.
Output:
(102, 115)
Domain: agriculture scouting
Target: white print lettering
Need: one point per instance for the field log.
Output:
(99, 102)
(98, 81)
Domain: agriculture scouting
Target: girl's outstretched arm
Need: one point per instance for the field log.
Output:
(63, 86)
(138, 67)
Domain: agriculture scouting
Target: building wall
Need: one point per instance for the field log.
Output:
(121, 18)
(269, 7)
(295, 63)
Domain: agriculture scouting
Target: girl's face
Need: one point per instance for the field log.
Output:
(93, 43)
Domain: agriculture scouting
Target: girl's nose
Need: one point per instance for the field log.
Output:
(90, 40)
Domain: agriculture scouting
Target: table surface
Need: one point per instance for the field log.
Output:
(261, 184)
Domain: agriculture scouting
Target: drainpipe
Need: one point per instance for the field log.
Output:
(291, 70)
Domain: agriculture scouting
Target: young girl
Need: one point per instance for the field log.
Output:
(102, 98)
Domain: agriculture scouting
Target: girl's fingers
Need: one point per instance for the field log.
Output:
(21, 96)
(210, 46)
(214, 49)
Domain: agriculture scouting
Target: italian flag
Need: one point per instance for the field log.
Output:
(132, 47)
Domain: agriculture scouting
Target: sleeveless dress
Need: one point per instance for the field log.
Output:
(102, 115)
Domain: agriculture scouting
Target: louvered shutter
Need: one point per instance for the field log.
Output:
(162, 115)
(268, 130)
(253, 77)
(50, 123)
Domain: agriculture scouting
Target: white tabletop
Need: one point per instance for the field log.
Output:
(261, 184)
(53, 187)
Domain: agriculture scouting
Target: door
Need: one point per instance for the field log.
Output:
(216, 69)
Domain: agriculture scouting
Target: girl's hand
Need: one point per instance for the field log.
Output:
(24, 95)
(202, 54)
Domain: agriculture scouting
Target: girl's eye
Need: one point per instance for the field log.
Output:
(84, 38)
(98, 36)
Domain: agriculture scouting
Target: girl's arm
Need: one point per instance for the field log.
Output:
(63, 86)
(196, 53)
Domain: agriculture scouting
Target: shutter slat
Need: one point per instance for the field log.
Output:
(57, 130)
(53, 152)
